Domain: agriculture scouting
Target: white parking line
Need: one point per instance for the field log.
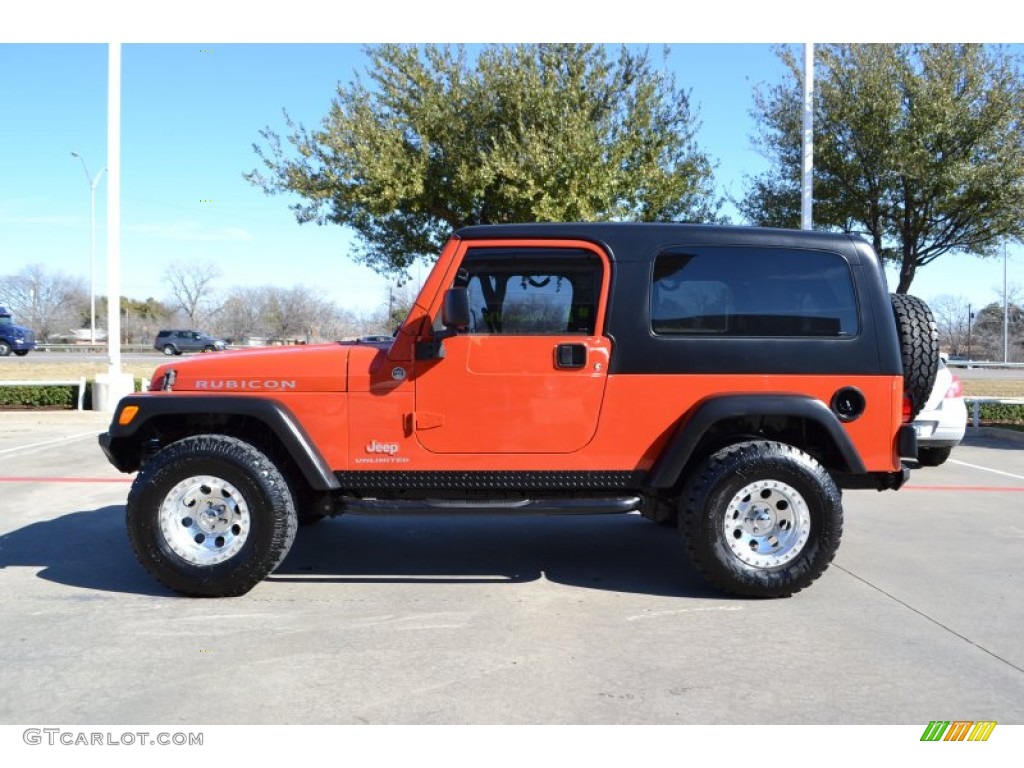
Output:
(45, 443)
(986, 469)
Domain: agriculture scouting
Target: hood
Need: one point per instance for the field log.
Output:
(17, 331)
(313, 368)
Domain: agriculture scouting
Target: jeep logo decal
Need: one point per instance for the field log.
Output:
(389, 448)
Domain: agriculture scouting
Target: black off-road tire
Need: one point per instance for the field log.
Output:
(21, 352)
(919, 348)
(210, 516)
(932, 457)
(749, 494)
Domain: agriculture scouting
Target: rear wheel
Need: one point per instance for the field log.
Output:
(5, 349)
(919, 348)
(210, 516)
(169, 349)
(761, 519)
(933, 457)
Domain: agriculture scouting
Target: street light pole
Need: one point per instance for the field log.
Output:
(93, 182)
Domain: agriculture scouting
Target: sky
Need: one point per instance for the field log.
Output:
(192, 109)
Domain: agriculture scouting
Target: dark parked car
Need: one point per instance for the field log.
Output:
(176, 342)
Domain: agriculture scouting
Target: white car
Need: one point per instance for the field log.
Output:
(941, 423)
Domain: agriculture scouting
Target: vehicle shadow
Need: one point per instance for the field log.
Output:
(622, 553)
(90, 550)
(87, 549)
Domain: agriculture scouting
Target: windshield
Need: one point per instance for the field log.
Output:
(6, 320)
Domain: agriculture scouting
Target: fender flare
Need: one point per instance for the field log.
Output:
(121, 442)
(669, 466)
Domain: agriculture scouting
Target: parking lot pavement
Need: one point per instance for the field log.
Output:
(503, 620)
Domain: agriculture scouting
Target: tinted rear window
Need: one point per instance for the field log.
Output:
(752, 292)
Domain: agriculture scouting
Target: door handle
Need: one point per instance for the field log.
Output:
(570, 356)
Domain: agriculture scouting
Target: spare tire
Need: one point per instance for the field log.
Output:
(919, 348)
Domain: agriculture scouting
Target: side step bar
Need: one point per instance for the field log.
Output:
(589, 506)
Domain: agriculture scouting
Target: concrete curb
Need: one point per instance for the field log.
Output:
(995, 433)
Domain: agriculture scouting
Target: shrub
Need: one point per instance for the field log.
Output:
(49, 397)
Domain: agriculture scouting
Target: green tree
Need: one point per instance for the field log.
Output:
(988, 332)
(140, 320)
(524, 133)
(919, 146)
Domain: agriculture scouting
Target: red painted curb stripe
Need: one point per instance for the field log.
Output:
(983, 488)
(64, 480)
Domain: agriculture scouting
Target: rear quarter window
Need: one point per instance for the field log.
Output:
(760, 292)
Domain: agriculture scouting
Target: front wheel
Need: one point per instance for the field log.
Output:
(210, 516)
(21, 352)
(761, 519)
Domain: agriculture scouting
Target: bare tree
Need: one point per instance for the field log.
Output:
(296, 313)
(191, 286)
(951, 317)
(239, 316)
(51, 303)
(284, 314)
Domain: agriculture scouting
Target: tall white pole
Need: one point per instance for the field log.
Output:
(1006, 313)
(93, 183)
(808, 138)
(114, 208)
(92, 264)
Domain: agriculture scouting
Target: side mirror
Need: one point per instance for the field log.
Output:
(455, 312)
(454, 315)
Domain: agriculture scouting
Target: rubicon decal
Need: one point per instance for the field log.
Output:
(245, 384)
(958, 730)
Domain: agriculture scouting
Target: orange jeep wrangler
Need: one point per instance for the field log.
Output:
(726, 380)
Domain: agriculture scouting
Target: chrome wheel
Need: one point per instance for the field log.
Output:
(767, 524)
(204, 520)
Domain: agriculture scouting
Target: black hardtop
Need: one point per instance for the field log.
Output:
(642, 241)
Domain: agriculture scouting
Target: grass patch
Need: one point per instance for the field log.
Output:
(993, 387)
(24, 370)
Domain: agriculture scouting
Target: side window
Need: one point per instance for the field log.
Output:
(531, 291)
(752, 292)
